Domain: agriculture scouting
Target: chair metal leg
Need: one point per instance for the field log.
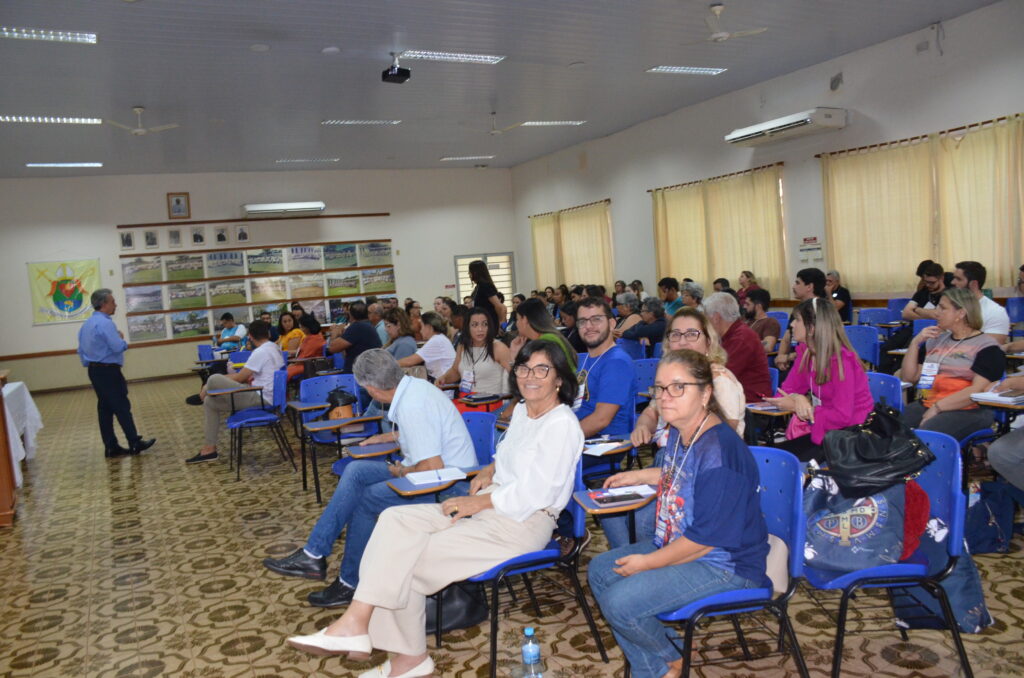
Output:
(954, 628)
(529, 592)
(316, 473)
(302, 452)
(438, 610)
(786, 626)
(742, 638)
(283, 445)
(581, 600)
(238, 457)
(837, 649)
(494, 628)
(687, 652)
(231, 449)
(511, 591)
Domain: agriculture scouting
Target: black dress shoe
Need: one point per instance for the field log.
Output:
(115, 451)
(141, 445)
(194, 399)
(298, 564)
(335, 595)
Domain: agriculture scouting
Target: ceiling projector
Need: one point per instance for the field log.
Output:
(395, 73)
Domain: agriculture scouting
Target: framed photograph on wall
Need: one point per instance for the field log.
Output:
(198, 236)
(178, 206)
(174, 237)
(127, 241)
(152, 239)
(220, 235)
(242, 233)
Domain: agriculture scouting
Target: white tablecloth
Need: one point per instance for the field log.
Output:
(23, 423)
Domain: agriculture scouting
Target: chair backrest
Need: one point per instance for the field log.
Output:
(864, 339)
(239, 356)
(315, 389)
(633, 348)
(886, 388)
(895, 307)
(873, 316)
(645, 370)
(281, 389)
(579, 516)
(482, 433)
(773, 372)
(205, 351)
(783, 319)
(657, 353)
(941, 480)
(1015, 309)
(922, 323)
(782, 501)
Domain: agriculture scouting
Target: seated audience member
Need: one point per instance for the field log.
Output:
(401, 338)
(432, 435)
(628, 306)
(439, 305)
(746, 356)
(809, 283)
(485, 294)
(458, 323)
(389, 303)
(354, 338)
(577, 293)
(596, 291)
(692, 294)
(970, 275)
(567, 314)
(947, 277)
(921, 306)
(668, 292)
(516, 300)
(706, 533)
(438, 354)
(258, 371)
(534, 322)
(449, 309)
(298, 311)
(414, 310)
(274, 332)
(231, 336)
(620, 288)
(840, 296)
(755, 312)
(289, 334)
(1006, 455)
(416, 551)
(1020, 282)
(481, 362)
(949, 362)
(720, 284)
(637, 287)
(375, 316)
(652, 328)
(748, 283)
(311, 346)
(827, 388)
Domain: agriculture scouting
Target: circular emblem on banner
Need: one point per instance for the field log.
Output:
(856, 524)
(66, 291)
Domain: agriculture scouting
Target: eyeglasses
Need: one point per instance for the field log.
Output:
(592, 320)
(538, 371)
(674, 390)
(688, 335)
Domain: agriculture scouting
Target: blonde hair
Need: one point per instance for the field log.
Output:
(716, 353)
(963, 298)
(751, 279)
(825, 337)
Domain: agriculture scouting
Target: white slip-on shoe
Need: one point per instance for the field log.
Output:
(322, 644)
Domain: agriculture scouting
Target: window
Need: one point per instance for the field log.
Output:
(500, 266)
(573, 246)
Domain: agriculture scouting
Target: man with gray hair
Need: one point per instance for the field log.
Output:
(432, 435)
(692, 294)
(101, 348)
(746, 357)
(652, 327)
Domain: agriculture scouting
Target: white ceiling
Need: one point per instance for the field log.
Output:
(191, 62)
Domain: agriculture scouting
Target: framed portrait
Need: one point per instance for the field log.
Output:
(127, 241)
(152, 239)
(174, 237)
(178, 206)
(198, 236)
(220, 235)
(241, 233)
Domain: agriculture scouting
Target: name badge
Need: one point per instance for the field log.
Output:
(815, 400)
(578, 402)
(928, 372)
(468, 382)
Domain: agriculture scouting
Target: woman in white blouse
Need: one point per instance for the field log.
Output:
(417, 550)
(481, 362)
(437, 354)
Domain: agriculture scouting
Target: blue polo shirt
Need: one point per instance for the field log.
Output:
(610, 379)
(99, 342)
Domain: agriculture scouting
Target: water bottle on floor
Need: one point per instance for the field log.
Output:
(532, 666)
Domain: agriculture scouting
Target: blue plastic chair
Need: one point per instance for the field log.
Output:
(238, 356)
(895, 307)
(261, 417)
(483, 434)
(922, 323)
(783, 319)
(547, 558)
(887, 389)
(941, 481)
(205, 351)
(782, 504)
(773, 372)
(657, 352)
(1015, 309)
(645, 370)
(633, 348)
(873, 316)
(864, 340)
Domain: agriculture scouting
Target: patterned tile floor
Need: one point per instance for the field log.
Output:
(146, 567)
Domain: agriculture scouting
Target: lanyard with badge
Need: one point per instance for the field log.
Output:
(468, 383)
(583, 393)
(931, 370)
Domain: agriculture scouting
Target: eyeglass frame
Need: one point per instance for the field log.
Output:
(657, 390)
(583, 322)
(529, 371)
(682, 334)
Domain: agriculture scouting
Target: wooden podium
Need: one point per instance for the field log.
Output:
(8, 493)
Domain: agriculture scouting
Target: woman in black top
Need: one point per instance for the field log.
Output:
(485, 294)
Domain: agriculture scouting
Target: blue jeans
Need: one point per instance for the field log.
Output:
(630, 604)
(358, 477)
(374, 501)
(616, 526)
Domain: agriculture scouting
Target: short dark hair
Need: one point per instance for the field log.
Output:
(569, 308)
(563, 370)
(669, 284)
(310, 323)
(930, 269)
(721, 281)
(596, 302)
(296, 306)
(973, 271)
(760, 297)
(815, 277)
(259, 329)
(922, 266)
(227, 316)
(357, 311)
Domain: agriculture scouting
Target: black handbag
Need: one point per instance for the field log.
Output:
(875, 455)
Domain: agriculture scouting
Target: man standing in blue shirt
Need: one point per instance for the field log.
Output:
(101, 348)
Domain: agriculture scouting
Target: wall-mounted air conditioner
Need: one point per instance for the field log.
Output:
(797, 125)
(281, 209)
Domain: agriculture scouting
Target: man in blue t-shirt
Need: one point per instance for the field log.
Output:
(354, 338)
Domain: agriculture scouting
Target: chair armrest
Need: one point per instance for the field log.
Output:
(337, 424)
(228, 391)
(300, 406)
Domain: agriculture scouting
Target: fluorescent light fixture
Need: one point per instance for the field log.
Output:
(687, 70)
(47, 35)
(455, 57)
(51, 119)
(466, 157)
(272, 208)
(305, 160)
(360, 122)
(552, 123)
(63, 164)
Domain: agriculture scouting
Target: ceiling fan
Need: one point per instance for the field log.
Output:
(714, 24)
(495, 130)
(139, 130)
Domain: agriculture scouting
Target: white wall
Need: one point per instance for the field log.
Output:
(435, 214)
(892, 92)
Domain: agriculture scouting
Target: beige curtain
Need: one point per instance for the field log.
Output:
(878, 215)
(586, 244)
(719, 227)
(978, 173)
(547, 250)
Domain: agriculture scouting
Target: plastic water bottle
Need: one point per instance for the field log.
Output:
(532, 666)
